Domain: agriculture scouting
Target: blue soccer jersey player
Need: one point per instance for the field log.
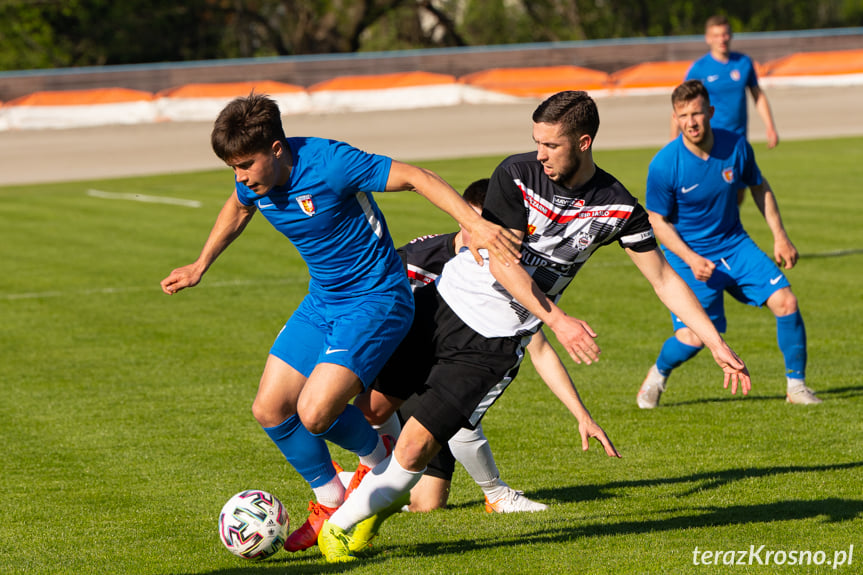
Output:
(317, 193)
(692, 187)
(727, 76)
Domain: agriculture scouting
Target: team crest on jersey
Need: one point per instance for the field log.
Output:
(728, 175)
(307, 204)
(583, 241)
(735, 75)
(530, 229)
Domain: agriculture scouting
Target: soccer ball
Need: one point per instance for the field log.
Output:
(253, 524)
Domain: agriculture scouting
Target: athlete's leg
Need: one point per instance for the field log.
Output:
(677, 349)
(429, 493)
(791, 337)
(275, 409)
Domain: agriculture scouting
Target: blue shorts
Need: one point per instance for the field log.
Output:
(359, 333)
(747, 273)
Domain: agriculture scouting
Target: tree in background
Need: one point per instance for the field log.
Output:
(64, 33)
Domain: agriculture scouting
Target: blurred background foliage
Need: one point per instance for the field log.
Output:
(38, 34)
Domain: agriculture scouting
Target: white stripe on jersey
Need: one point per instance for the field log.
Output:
(373, 221)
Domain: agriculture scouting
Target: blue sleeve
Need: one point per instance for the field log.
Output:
(350, 170)
(750, 174)
(246, 196)
(659, 196)
(692, 73)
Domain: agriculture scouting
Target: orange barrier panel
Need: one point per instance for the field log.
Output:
(383, 81)
(82, 97)
(537, 82)
(818, 64)
(228, 89)
(652, 75)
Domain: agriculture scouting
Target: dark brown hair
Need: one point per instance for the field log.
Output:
(688, 91)
(246, 126)
(475, 193)
(575, 110)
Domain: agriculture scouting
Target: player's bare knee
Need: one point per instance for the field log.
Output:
(265, 415)
(688, 337)
(783, 302)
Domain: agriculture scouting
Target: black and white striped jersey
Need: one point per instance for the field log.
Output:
(562, 228)
(424, 257)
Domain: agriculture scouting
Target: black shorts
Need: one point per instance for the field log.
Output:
(442, 465)
(457, 373)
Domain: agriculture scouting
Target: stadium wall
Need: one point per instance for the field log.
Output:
(604, 55)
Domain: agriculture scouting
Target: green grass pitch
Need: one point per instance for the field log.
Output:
(126, 424)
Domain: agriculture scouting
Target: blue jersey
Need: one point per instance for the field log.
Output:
(726, 84)
(327, 211)
(699, 197)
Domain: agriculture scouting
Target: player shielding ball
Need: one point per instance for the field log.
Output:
(317, 193)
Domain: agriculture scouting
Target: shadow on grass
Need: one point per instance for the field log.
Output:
(834, 509)
(832, 393)
(702, 481)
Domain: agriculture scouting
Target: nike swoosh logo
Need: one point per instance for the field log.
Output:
(712, 78)
(775, 280)
(689, 189)
(330, 350)
(262, 205)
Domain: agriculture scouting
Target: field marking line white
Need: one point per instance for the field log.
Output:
(121, 290)
(143, 198)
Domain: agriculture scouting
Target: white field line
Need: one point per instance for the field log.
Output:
(143, 198)
(122, 290)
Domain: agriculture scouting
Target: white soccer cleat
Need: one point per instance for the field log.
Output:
(513, 502)
(652, 388)
(801, 395)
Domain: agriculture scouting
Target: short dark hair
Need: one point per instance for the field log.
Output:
(688, 91)
(575, 110)
(475, 193)
(717, 20)
(246, 126)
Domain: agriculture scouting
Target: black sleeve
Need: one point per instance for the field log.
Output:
(637, 233)
(504, 202)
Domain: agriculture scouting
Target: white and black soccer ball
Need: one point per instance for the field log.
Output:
(253, 524)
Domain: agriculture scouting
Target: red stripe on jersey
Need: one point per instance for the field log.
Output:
(557, 217)
(420, 277)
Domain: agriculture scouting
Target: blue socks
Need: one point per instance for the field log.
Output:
(308, 453)
(305, 452)
(351, 431)
(673, 353)
(791, 336)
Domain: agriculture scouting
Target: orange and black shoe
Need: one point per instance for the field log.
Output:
(307, 535)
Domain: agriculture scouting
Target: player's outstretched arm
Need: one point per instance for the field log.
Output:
(499, 241)
(676, 295)
(784, 252)
(229, 224)
(552, 371)
(574, 334)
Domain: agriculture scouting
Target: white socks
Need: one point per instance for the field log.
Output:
(391, 426)
(471, 449)
(381, 488)
(331, 494)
